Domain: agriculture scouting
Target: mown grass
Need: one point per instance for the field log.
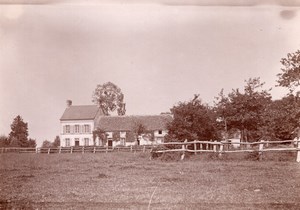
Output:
(124, 180)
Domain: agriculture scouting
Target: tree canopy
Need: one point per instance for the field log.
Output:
(109, 98)
(290, 76)
(245, 110)
(192, 120)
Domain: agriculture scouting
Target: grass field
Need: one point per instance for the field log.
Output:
(133, 181)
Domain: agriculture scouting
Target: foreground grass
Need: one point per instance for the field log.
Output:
(125, 180)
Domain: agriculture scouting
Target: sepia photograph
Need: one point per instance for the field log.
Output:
(149, 104)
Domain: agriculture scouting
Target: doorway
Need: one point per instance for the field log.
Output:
(76, 143)
(109, 143)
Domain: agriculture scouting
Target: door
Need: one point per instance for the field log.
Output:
(76, 143)
(110, 143)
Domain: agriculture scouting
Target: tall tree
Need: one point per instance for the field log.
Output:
(192, 120)
(245, 111)
(109, 98)
(290, 76)
(284, 115)
(19, 132)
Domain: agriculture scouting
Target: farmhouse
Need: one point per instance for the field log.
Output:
(79, 122)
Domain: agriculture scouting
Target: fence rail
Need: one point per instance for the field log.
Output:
(223, 147)
(220, 147)
(81, 149)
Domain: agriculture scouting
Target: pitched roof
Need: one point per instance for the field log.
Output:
(83, 112)
(126, 123)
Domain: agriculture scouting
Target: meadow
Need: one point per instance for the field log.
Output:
(127, 180)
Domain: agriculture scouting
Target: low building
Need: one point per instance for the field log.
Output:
(122, 130)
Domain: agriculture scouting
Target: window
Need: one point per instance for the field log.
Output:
(68, 129)
(160, 132)
(122, 141)
(67, 142)
(86, 141)
(76, 128)
(87, 129)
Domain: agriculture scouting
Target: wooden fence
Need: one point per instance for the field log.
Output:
(223, 147)
(81, 149)
(184, 147)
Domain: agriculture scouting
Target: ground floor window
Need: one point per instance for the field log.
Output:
(67, 141)
(122, 141)
(86, 141)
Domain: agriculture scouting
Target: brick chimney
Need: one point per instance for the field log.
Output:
(69, 103)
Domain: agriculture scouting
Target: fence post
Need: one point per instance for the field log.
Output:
(48, 151)
(131, 148)
(106, 149)
(144, 148)
(94, 150)
(298, 152)
(183, 149)
(36, 150)
(59, 151)
(195, 147)
(260, 148)
(71, 150)
(82, 150)
(215, 146)
(221, 149)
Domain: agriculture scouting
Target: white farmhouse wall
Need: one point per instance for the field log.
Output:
(81, 135)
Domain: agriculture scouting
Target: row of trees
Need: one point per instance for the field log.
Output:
(251, 111)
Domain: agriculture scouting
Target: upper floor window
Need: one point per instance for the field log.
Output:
(68, 129)
(87, 128)
(76, 128)
(160, 132)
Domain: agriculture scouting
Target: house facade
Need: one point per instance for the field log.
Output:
(79, 122)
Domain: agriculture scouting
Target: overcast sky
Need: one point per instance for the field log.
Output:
(158, 54)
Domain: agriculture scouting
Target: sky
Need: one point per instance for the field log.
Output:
(157, 52)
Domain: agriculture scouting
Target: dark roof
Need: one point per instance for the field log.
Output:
(126, 123)
(84, 112)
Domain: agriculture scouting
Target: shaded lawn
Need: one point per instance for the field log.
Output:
(125, 180)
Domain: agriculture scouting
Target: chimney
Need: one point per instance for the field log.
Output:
(69, 103)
